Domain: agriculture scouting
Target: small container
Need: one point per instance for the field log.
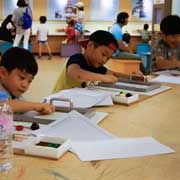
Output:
(125, 100)
(50, 147)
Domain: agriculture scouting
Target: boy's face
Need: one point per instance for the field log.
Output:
(126, 21)
(172, 40)
(98, 56)
(16, 82)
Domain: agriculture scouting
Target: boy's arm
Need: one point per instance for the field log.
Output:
(161, 63)
(19, 106)
(118, 74)
(75, 72)
(134, 76)
(166, 64)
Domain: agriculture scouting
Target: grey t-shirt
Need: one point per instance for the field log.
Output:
(17, 18)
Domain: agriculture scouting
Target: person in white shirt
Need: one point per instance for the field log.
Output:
(42, 36)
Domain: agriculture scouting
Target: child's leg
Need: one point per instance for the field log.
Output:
(40, 49)
(49, 50)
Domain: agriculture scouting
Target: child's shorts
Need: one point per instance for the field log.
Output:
(42, 42)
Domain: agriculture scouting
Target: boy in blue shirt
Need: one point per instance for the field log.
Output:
(124, 52)
(17, 70)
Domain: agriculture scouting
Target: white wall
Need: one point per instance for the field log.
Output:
(158, 1)
(176, 7)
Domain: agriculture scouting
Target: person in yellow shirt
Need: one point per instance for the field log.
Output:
(89, 66)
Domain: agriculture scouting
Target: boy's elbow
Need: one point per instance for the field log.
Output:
(77, 77)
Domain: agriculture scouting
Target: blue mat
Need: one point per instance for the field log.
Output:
(6, 45)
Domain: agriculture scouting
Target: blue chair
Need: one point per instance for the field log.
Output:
(144, 50)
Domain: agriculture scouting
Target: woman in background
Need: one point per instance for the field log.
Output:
(18, 22)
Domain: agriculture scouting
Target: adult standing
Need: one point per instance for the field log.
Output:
(116, 30)
(124, 52)
(18, 22)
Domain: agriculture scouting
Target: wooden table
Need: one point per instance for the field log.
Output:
(158, 116)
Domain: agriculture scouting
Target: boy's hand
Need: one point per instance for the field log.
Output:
(110, 78)
(138, 76)
(44, 108)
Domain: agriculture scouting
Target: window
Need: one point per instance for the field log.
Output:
(104, 10)
(59, 9)
(142, 10)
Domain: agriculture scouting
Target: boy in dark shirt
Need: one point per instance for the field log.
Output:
(87, 67)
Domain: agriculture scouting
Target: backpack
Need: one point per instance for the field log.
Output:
(27, 20)
(78, 27)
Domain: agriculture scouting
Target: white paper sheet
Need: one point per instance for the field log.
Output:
(82, 98)
(90, 142)
(167, 79)
(59, 116)
(168, 72)
(119, 148)
(76, 127)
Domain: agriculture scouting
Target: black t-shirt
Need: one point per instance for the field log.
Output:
(80, 60)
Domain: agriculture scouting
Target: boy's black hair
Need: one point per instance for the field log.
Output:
(122, 16)
(126, 37)
(71, 22)
(102, 37)
(21, 3)
(19, 58)
(146, 26)
(42, 19)
(170, 25)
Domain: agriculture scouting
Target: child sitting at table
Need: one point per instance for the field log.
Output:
(17, 70)
(82, 68)
(126, 39)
